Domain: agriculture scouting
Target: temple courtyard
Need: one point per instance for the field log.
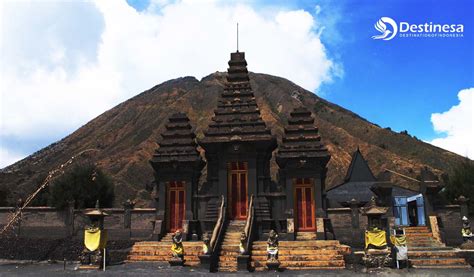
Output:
(10, 268)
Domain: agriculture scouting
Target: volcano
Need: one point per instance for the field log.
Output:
(127, 135)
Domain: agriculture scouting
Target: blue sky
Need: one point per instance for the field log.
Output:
(397, 83)
(401, 82)
(61, 55)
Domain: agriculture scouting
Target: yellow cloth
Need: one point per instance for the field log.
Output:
(205, 249)
(398, 240)
(177, 248)
(241, 248)
(92, 238)
(466, 232)
(376, 238)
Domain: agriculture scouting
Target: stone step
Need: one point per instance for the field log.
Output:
(162, 253)
(160, 246)
(227, 269)
(415, 231)
(432, 254)
(228, 263)
(418, 235)
(299, 264)
(264, 268)
(159, 250)
(442, 266)
(415, 227)
(314, 243)
(431, 248)
(230, 259)
(421, 245)
(159, 243)
(425, 238)
(297, 252)
(232, 235)
(306, 234)
(232, 239)
(158, 259)
(440, 261)
(230, 248)
(281, 258)
(298, 247)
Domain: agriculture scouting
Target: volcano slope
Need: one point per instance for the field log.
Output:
(126, 136)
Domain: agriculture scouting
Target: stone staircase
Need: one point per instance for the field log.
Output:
(230, 246)
(160, 251)
(426, 252)
(302, 255)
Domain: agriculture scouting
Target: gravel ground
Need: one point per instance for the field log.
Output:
(10, 268)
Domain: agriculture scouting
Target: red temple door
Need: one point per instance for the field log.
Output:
(237, 190)
(176, 205)
(304, 202)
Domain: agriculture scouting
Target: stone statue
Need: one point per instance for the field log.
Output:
(206, 247)
(272, 245)
(243, 239)
(177, 249)
(272, 250)
(467, 235)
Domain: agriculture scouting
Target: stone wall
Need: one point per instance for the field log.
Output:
(342, 224)
(450, 224)
(47, 222)
(50, 223)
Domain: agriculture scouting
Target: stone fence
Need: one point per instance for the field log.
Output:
(48, 222)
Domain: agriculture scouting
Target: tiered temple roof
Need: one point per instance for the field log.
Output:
(237, 116)
(357, 184)
(301, 139)
(178, 143)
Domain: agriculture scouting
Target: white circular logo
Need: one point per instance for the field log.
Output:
(387, 34)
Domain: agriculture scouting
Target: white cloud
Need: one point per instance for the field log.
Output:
(8, 157)
(65, 62)
(458, 125)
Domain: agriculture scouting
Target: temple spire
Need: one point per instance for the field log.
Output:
(237, 36)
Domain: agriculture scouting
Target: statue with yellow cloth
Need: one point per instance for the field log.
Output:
(400, 247)
(177, 249)
(467, 235)
(95, 240)
(377, 254)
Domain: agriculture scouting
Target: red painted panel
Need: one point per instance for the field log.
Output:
(176, 205)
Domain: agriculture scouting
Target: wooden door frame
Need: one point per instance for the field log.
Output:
(230, 196)
(168, 203)
(303, 185)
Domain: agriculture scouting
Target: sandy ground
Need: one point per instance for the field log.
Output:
(163, 269)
